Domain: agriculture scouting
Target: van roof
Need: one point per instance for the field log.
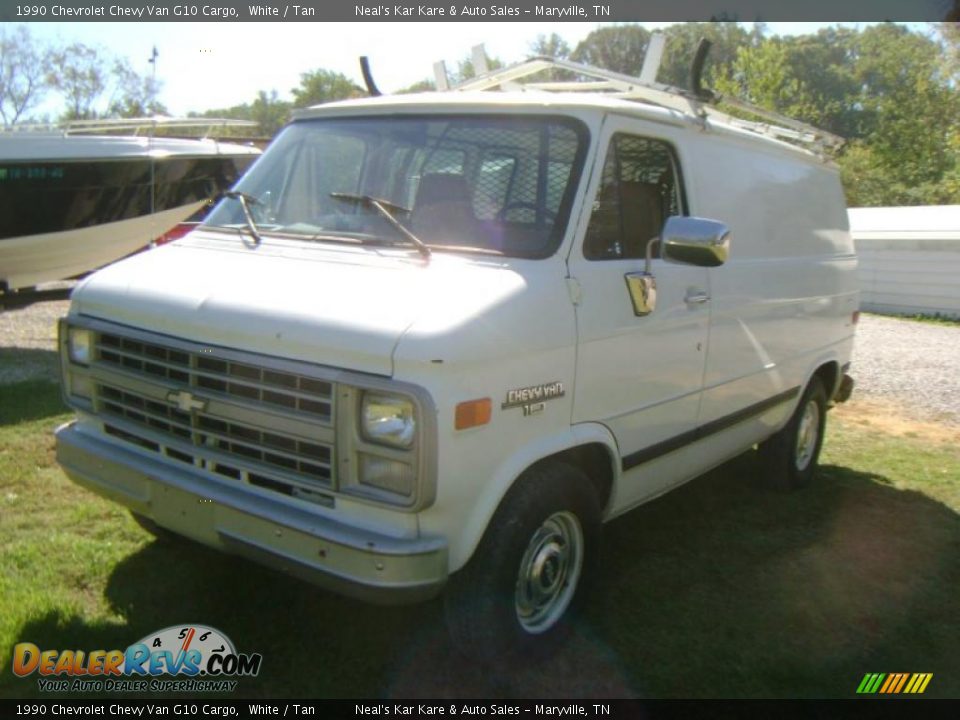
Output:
(541, 102)
(590, 88)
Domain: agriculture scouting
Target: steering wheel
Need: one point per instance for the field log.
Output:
(502, 215)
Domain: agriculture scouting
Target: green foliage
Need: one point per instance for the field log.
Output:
(550, 46)
(886, 89)
(267, 110)
(323, 86)
(615, 47)
(726, 39)
(466, 71)
(419, 86)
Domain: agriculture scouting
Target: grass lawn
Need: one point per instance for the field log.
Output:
(721, 588)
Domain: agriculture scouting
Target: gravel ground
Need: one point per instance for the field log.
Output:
(28, 341)
(914, 364)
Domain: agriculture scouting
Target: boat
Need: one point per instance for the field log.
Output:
(74, 198)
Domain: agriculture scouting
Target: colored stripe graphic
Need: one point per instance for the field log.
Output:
(870, 683)
(894, 683)
(891, 680)
(867, 679)
(900, 683)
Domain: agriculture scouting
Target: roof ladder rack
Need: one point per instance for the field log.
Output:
(136, 126)
(645, 89)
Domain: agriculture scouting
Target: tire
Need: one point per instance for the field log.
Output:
(529, 574)
(790, 456)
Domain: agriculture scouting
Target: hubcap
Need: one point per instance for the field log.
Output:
(807, 435)
(549, 572)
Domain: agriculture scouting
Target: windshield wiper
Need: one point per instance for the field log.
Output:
(384, 207)
(245, 202)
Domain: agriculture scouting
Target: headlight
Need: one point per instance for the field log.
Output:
(80, 345)
(388, 420)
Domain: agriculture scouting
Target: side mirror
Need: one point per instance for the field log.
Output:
(695, 241)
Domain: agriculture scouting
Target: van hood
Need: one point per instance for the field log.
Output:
(341, 306)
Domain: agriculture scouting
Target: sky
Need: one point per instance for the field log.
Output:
(202, 66)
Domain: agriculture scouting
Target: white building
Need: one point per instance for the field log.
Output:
(909, 258)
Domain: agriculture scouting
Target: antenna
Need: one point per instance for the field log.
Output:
(153, 80)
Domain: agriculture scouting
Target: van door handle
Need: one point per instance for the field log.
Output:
(696, 297)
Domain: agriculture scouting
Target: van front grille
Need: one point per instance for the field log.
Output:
(229, 413)
(228, 378)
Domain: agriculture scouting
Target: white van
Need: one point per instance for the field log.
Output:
(432, 342)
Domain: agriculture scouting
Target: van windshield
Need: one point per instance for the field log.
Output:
(494, 184)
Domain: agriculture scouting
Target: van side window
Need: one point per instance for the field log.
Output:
(639, 190)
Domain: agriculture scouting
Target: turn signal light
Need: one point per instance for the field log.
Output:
(473, 413)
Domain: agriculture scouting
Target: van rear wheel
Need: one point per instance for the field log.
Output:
(790, 456)
(530, 572)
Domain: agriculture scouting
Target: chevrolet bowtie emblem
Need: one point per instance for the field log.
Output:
(185, 401)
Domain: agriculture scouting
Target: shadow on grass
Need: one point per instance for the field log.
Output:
(720, 589)
(30, 400)
(20, 364)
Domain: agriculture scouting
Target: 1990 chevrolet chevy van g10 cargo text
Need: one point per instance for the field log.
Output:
(431, 342)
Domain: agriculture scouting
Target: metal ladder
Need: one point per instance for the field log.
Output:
(644, 88)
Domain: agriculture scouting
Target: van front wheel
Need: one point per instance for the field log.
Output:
(529, 573)
(790, 457)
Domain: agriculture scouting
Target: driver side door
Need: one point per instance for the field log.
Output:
(640, 375)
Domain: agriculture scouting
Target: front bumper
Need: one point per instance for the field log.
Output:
(237, 519)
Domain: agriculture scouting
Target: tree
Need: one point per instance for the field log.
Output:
(682, 39)
(322, 86)
(909, 111)
(77, 71)
(807, 78)
(269, 112)
(552, 46)
(23, 73)
(949, 33)
(616, 47)
(419, 86)
(466, 71)
(136, 95)
(622, 48)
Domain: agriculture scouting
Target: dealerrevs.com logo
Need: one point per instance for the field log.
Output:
(181, 658)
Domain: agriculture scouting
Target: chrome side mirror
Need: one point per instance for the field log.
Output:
(696, 241)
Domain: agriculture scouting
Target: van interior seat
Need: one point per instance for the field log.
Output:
(443, 211)
(627, 216)
(642, 216)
